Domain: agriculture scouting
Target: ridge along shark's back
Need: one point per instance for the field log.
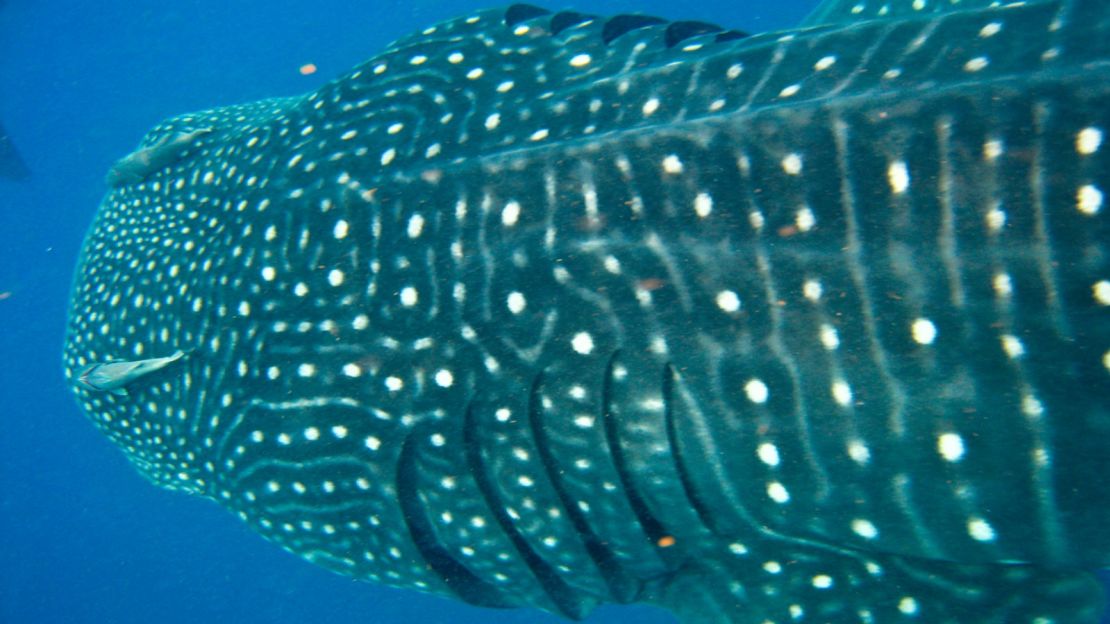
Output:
(550, 309)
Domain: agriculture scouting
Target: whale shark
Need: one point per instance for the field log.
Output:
(547, 309)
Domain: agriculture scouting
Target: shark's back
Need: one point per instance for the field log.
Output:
(551, 309)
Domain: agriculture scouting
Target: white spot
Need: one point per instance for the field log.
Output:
(842, 392)
(992, 149)
(455, 58)
(703, 205)
(898, 176)
(734, 71)
(580, 60)
(1002, 284)
(789, 91)
(582, 343)
(651, 106)
(585, 421)
(493, 121)
(728, 301)
(475, 73)
(339, 431)
(865, 529)
(284, 439)
(437, 439)
(768, 454)
(976, 64)
(312, 433)
(539, 135)
(506, 86)
(812, 290)
(996, 219)
(1013, 346)
(409, 296)
(859, 452)
(824, 63)
(388, 156)
(778, 492)
(950, 446)
(830, 339)
(907, 605)
(990, 30)
(306, 370)
(351, 370)
(804, 219)
(372, 443)
(419, 59)
(415, 226)
(672, 165)
(444, 378)
(792, 164)
(361, 322)
(268, 274)
(757, 391)
(395, 128)
(1031, 406)
(510, 214)
(1101, 291)
(980, 530)
(924, 332)
(1106, 360)
(1089, 199)
(335, 277)
(1088, 140)
(393, 384)
(822, 581)
(772, 567)
(516, 302)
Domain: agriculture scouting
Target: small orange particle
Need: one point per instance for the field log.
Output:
(308, 69)
(666, 541)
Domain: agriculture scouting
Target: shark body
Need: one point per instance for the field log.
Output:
(553, 310)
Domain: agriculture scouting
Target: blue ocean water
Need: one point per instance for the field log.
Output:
(82, 537)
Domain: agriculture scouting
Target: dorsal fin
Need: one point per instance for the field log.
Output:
(680, 31)
(834, 11)
(621, 24)
(518, 13)
(568, 19)
(731, 35)
(412, 104)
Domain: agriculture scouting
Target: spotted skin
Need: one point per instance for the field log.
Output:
(550, 310)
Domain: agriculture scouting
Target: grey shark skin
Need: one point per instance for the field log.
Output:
(553, 310)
